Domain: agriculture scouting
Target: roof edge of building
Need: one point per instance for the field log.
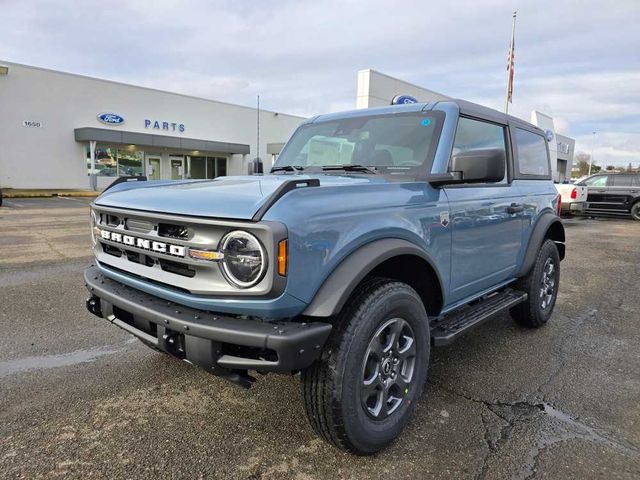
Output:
(141, 87)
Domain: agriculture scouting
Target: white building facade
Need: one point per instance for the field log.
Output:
(53, 124)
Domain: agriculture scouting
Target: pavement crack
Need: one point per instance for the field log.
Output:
(561, 351)
(570, 428)
(511, 414)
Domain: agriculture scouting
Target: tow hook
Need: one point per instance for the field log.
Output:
(174, 343)
(93, 305)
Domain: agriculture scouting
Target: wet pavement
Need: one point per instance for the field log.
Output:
(81, 399)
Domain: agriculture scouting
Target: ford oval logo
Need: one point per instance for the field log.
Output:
(549, 134)
(403, 100)
(111, 119)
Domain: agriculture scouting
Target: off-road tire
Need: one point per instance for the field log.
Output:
(331, 386)
(635, 210)
(531, 313)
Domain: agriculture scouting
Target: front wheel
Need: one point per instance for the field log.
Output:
(541, 285)
(362, 391)
(635, 211)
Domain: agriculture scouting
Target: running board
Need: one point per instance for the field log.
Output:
(446, 329)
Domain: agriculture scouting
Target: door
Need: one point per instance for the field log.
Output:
(597, 192)
(153, 168)
(622, 189)
(177, 168)
(486, 219)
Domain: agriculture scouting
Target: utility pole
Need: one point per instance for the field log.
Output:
(593, 145)
(258, 131)
(510, 65)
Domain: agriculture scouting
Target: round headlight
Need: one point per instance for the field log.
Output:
(244, 261)
(93, 222)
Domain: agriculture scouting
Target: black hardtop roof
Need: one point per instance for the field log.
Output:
(466, 108)
(474, 110)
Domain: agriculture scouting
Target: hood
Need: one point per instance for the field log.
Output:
(225, 197)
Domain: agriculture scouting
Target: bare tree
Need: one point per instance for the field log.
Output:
(582, 162)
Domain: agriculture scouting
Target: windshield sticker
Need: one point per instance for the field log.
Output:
(426, 122)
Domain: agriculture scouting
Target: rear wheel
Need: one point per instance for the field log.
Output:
(541, 285)
(362, 391)
(635, 210)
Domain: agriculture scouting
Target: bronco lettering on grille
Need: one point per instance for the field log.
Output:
(143, 243)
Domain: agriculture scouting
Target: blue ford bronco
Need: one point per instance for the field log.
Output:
(378, 234)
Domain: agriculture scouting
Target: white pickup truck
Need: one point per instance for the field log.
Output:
(573, 197)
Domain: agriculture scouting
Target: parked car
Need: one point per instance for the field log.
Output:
(378, 233)
(0, 197)
(613, 193)
(573, 197)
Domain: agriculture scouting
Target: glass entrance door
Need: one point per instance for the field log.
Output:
(153, 168)
(177, 168)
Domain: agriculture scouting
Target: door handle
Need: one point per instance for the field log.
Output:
(515, 208)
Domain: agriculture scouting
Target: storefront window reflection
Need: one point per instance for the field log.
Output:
(112, 161)
(130, 162)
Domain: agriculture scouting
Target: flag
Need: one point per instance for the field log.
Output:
(511, 58)
(510, 67)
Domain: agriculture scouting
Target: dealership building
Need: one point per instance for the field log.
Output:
(55, 127)
(67, 131)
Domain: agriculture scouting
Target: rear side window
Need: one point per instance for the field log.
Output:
(533, 158)
(477, 135)
(625, 181)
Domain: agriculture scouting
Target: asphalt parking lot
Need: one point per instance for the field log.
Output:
(81, 399)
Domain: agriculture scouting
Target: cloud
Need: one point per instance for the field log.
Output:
(574, 59)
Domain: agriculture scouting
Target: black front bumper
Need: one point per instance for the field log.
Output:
(222, 344)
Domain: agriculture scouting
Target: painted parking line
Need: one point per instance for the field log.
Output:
(12, 204)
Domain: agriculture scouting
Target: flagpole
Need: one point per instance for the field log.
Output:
(511, 62)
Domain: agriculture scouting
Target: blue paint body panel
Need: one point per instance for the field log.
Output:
(479, 249)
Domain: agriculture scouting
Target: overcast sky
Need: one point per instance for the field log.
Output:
(576, 60)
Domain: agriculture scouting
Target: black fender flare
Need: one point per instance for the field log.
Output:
(338, 286)
(546, 222)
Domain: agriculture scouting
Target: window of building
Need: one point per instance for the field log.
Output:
(196, 167)
(130, 162)
(206, 167)
(112, 161)
(532, 153)
(477, 135)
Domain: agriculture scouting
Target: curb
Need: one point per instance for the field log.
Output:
(48, 194)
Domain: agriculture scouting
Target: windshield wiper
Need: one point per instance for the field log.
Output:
(347, 167)
(287, 168)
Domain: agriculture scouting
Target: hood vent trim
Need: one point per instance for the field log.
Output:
(281, 191)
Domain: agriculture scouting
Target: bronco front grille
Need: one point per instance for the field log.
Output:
(173, 231)
(155, 247)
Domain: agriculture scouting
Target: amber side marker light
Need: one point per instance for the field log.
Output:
(282, 258)
(210, 255)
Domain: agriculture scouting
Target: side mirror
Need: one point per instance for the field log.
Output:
(480, 166)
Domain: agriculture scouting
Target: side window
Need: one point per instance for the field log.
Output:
(597, 181)
(478, 135)
(623, 181)
(532, 153)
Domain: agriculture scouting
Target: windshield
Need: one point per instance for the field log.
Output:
(401, 144)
